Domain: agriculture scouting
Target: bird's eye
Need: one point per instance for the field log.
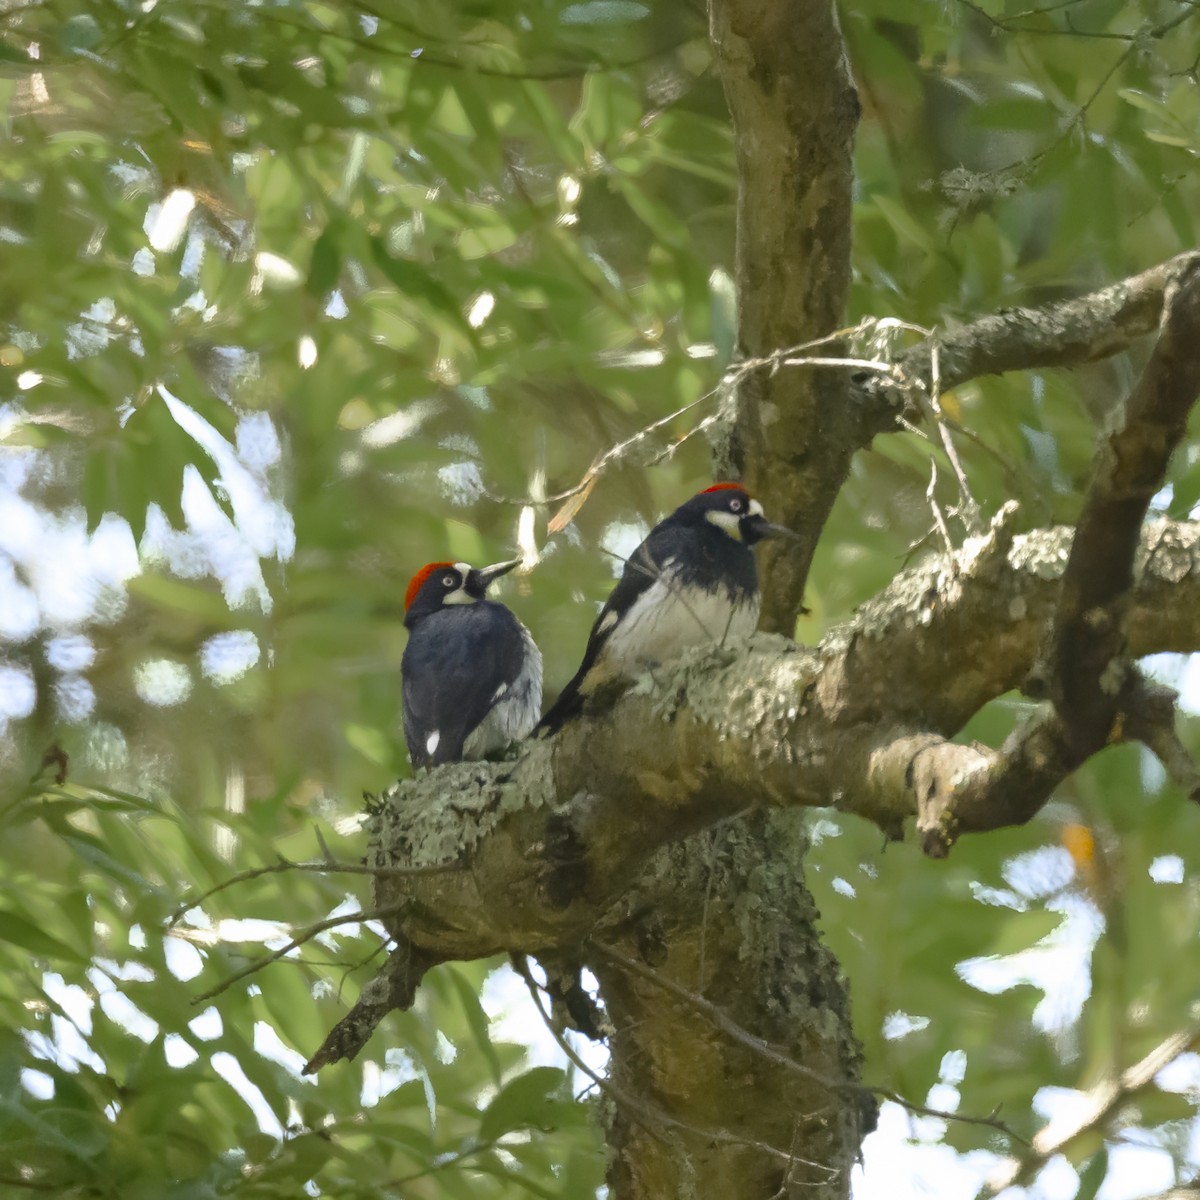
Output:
(735, 505)
(448, 581)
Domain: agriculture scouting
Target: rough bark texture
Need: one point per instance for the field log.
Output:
(553, 844)
(795, 111)
(1067, 333)
(779, 1133)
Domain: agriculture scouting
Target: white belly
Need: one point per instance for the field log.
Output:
(667, 620)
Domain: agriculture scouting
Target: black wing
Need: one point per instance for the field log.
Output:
(642, 568)
(454, 662)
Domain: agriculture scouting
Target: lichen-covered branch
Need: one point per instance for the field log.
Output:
(1085, 669)
(551, 842)
(1065, 333)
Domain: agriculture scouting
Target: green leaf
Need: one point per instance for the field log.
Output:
(416, 283)
(81, 32)
(526, 1101)
(326, 263)
(477, 1019)
(901, 220)
(19, 931)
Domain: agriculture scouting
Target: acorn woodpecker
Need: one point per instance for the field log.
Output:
(471, 675)
(693, 580)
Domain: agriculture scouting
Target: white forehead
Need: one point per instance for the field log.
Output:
(755, 509)
(464, 569)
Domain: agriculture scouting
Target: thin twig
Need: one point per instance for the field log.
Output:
(305, 935)
(331, 867)
(453, 1160)
(939, 518)
(791, 356)
(1005, 25)
(971, 517)
(1104, 1101)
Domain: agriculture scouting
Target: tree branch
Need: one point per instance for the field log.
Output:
(1065, 333)
(305, 935)
(552, 840)
(1151, 720)
(326, 867)
(1085, 669)
(1105, 1100)
(393, 987)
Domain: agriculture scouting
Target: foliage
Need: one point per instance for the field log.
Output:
(299, 296)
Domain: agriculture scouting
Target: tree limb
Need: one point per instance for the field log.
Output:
(1085, 669)
(1065, 333)
(552, 840)
(1104, 1101)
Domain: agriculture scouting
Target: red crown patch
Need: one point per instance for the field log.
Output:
(418, 581)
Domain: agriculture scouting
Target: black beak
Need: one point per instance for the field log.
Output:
(755, 528)
(485, 576)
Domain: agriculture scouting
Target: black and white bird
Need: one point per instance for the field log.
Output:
(471, 675)
(693, 580)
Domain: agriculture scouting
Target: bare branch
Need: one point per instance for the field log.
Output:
(1063, 334)
(576, 496)
(392, 988)
(970, 509)
(305, 935)
(1103, 1102)
(1150, 718)
(550, 841)
(324, 867)
(939, 519)
(861, 723)
(1085, 670)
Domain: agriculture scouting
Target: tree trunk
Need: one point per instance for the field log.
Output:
(791, 433)
(734, 921)
(726, 915)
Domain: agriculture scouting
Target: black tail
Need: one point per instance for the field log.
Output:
(566, 708)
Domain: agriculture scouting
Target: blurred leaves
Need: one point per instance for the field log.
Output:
(402, 262)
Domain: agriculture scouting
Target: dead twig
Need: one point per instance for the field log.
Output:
(305, 935)
(1104, 1101)
(326, 867)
